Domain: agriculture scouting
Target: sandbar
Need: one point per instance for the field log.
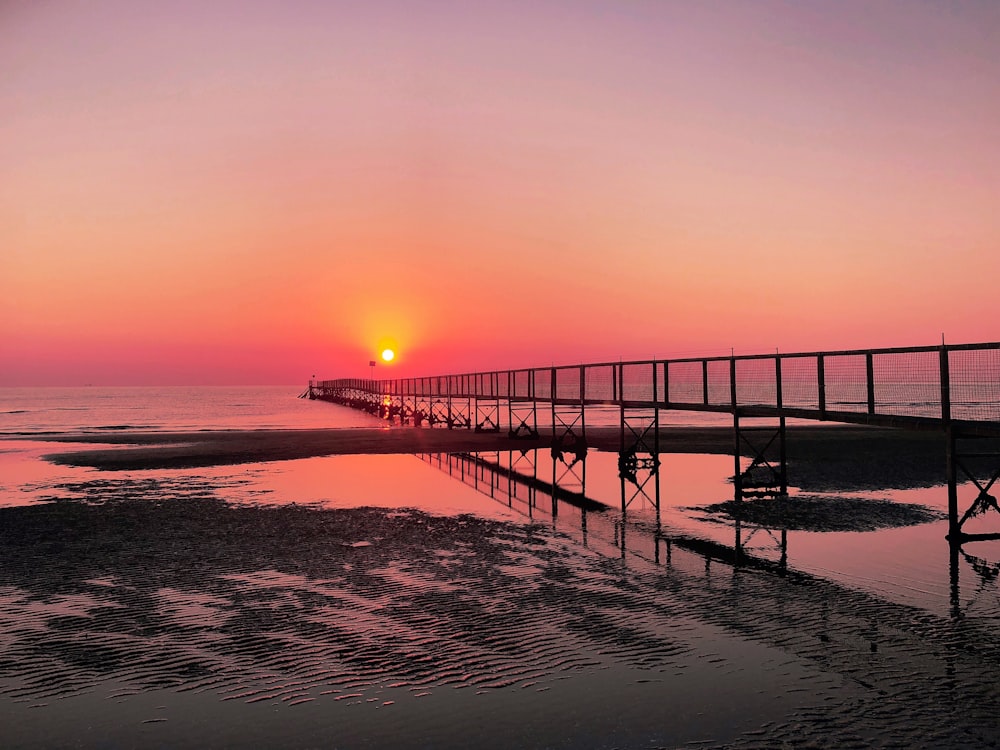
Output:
(820, 457)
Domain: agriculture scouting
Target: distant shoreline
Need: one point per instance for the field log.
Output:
(821, 457)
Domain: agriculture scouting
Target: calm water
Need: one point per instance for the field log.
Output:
(427, 601)
(40, 410)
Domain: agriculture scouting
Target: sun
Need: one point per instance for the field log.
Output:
(388, 355)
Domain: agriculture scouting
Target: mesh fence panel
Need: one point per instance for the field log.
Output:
(756, 382)
(600, 382)
(975, 384)
(637, 382)
(846, 382)
(684, 381)
(719, 392)
(800, 382)
(907, 383)
(521, 382)
(568, 383)
(503, 384)
(543, 383)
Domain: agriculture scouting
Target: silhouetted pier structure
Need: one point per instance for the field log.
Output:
(950, 388)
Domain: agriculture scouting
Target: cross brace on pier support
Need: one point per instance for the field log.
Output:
(767, 473)
(522, 416)
(976, 460)
(639, 457)
(487, 415)
(569, 430)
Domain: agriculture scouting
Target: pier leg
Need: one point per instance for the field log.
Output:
(639, 451)
(982, 468)
(523, 419)
(487, 415)
(954, 530)
(738, 471)
(767, 474)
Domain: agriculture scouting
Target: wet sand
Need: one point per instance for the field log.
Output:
(821, 458)
(142, 606)
(159, 615)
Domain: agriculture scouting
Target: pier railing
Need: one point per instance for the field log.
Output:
(911, 386)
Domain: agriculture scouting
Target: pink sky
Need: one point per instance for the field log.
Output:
(256, 192)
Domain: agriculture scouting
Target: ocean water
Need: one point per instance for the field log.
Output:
(36, 411)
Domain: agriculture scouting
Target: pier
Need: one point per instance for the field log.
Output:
(953, 389)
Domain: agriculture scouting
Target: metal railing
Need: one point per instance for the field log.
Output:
(933, 385)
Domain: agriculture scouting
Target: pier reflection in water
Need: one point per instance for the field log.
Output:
(542, 484)
(645, 512)
(852, 620)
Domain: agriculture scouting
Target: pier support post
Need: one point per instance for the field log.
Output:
(487, 415)
(639, 447)
(767, 474)
(522, 408)
(569, 420)
(974, 459)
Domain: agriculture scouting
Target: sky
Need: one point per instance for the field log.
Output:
(244, 192)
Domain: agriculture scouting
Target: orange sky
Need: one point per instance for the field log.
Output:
(260, 191)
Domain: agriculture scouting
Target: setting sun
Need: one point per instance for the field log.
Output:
(388, 355)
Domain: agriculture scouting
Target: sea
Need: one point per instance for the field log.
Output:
(36, 411)
(441, 601)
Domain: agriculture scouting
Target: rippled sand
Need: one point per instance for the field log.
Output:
(149, 612)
